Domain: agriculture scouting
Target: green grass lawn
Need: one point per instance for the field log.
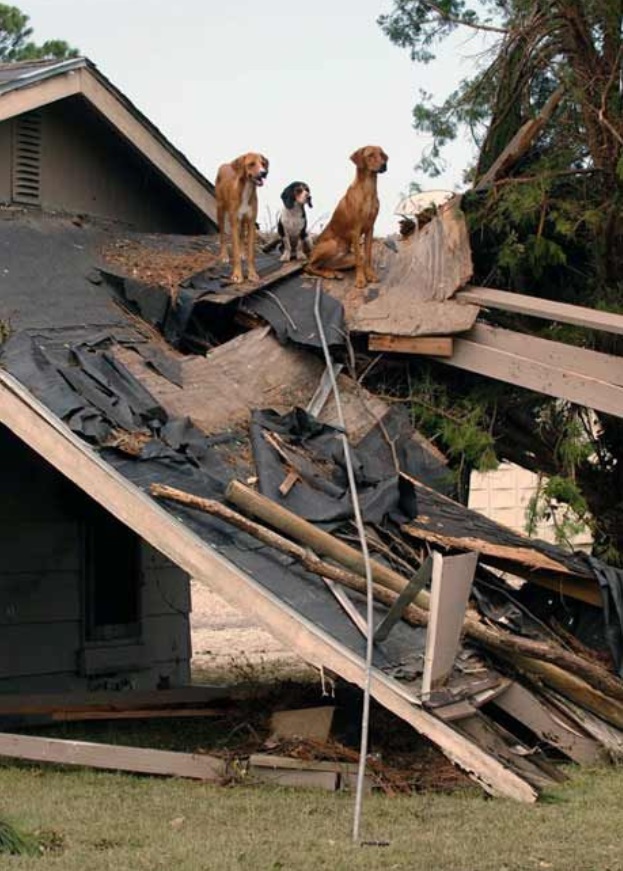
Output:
(96, 820)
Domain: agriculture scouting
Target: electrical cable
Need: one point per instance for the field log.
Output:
(365, 716)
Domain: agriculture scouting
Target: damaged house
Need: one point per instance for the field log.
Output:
(160, 424)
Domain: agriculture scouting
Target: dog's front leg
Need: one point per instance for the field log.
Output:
(236, 275)
(370, 273)
(251, 270)
(221, 220)
(287, 248)
(360, 272)
(300, 248)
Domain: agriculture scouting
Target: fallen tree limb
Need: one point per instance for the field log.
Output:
(321, 542)
(582, 681)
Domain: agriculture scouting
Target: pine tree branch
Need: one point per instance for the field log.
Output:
(462, 22)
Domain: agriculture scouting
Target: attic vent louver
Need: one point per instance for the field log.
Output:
(27, 158)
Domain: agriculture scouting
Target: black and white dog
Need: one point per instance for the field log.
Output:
(292, 225)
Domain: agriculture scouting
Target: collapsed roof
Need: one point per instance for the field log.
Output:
(100, 378)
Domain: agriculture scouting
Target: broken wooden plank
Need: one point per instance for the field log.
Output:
(139, 760)
(497, 741)
(537, 307)
(437, 346)
(62, 716)
(452, 579)
(307, 773)
(608, 736)
(583, 361)
(523, 555)
(126, 700)
(548, 724)
(455, 711)
(303, 779)
(305, 723)
(288, 482)
(534, 374)
(270, 760)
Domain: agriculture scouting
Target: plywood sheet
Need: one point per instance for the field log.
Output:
(450, 589)
(415, 294)
(253, 371)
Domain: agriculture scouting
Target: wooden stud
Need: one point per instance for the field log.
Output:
(436, 346)
(534, 374)
(117, 758)
(548, 309)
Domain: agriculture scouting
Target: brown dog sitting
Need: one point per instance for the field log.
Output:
(236, 203)
(339, 244)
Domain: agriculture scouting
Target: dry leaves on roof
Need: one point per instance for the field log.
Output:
(162, 267)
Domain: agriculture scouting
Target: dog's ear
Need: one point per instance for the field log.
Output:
(287, 196)
(358, 158)
(238, 164)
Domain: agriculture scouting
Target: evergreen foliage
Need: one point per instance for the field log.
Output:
(551, 227)
(15, 42)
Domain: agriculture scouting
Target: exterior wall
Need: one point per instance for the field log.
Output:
(42, 626)
(88, 169)
(504, 494)
(5, 162)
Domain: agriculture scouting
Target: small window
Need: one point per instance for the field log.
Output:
(27, 158)
(112, 563)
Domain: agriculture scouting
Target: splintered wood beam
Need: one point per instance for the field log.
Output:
(520, 142)
(548, 724)
(436, 346)
(113, 757)
(547, 309)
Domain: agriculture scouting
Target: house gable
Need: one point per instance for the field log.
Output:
(97, 154)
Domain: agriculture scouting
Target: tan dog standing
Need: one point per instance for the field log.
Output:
(236, 203)
(339, 245)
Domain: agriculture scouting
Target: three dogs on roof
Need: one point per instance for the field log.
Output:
(345, 242)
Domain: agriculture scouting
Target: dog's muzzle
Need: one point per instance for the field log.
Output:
(382, 168)
(259, 178)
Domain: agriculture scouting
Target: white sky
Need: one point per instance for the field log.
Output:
(305, 83)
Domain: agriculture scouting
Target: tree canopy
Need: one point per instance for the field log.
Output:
(16, 43)
(551, 225)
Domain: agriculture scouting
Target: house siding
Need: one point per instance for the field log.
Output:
(5, 162)
(87, 168)
(41, 594)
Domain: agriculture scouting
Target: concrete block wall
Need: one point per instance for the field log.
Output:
(503, 495)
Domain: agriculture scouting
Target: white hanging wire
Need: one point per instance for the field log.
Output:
(365, 716)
